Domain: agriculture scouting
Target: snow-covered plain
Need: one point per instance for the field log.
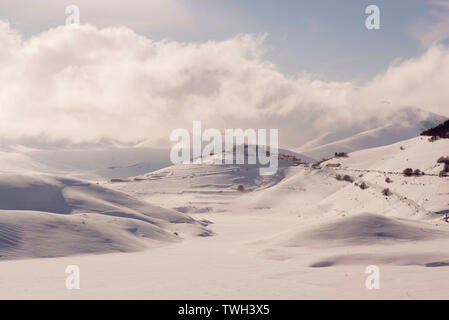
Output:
(186, 232)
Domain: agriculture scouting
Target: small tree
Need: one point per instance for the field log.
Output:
(363, 186)
(386, 192)
(388, 180)
(417, 172)
(241, 188)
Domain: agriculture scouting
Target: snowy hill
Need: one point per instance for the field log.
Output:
(47, 216)
(316, 189)
(197, 187)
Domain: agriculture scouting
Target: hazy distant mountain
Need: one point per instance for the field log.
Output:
(406, 124)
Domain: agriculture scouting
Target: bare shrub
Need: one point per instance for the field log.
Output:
(348, 178)
(408, 172)
(388, 180)
(341, 155)
(241, 188)
(417, 172)
(445, 171)
(386, 192)
(120, 180)
(443, 160)
(363, 186)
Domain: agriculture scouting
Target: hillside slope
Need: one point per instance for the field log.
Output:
(319, 192)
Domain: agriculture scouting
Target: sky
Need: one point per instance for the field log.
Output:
(301, 33)
(139, 71)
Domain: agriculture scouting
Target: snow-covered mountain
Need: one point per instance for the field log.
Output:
(91, 163)
(405, 124)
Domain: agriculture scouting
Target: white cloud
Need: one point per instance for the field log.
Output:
(420, 82)
(86, 84)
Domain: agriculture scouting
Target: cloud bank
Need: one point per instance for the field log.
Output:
(87, 84)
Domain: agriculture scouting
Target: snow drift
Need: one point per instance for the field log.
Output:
(365, 229)
(45, 216)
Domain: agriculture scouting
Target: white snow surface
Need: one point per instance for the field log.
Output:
(299, 234)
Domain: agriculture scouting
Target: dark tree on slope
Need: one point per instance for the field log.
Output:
(441, 131)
